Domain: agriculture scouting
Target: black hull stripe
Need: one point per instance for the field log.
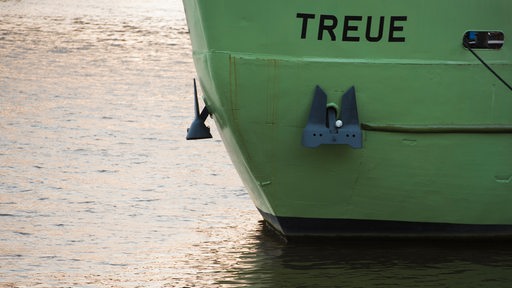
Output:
(296, 226)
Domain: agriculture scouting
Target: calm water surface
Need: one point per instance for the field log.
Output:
(98, 187)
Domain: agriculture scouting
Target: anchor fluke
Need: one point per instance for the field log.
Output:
(198, 130)
(324, 128)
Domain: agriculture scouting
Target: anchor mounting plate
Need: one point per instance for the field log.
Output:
(324, 127)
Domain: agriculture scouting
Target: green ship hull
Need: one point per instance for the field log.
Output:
(436, 124)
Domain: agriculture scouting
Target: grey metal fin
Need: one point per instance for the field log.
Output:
(198, 130)
(351, 129)
(316, 128)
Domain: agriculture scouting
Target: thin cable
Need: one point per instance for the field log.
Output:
(487, 66)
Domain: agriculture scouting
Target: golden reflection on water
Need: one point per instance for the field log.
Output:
(98, 185)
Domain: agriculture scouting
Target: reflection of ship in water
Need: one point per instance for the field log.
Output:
(329, 262)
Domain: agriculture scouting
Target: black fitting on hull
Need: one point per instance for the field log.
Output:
(198, 130)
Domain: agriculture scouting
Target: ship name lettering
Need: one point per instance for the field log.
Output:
(352, 26)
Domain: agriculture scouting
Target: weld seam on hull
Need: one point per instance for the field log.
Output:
(281, 57)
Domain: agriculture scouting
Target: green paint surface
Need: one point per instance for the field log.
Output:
(258, 66)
